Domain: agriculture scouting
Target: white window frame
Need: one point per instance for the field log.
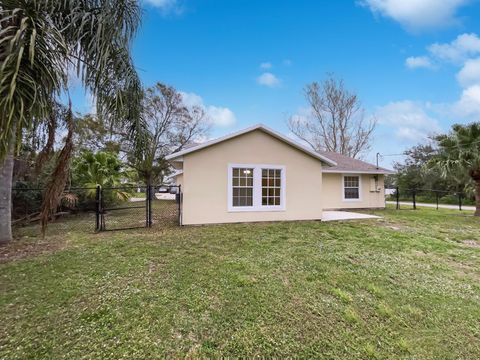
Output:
(257, 188)
(359, 187)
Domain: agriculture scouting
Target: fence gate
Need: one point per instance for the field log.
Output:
(165, 207)
(130, 207)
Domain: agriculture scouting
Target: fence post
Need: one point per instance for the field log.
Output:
(97, 208)
(398, 198)
(460, 201)
(150, 211)
(147, 196)
(180, 205)
(436, 197)
(414, 200)
(147, 205)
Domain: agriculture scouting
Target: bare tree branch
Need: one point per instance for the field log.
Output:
(170, 125)
(336, 122)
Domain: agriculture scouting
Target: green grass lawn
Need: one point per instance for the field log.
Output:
(404, 286)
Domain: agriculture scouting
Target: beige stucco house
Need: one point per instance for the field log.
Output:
(258, 174)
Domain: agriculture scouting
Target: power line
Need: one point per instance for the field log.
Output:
(435, 150)
(402, 154)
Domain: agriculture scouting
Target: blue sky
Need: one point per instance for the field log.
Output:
(415, 64)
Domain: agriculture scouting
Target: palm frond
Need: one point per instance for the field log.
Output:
(32, 71)
(40, 39)
(69, 200)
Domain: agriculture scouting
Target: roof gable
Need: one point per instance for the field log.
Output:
(337, 163)
(179, 154)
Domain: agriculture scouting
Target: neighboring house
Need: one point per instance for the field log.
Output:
(390, 192)
(258, 174)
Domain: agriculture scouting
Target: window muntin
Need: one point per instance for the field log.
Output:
(351, 187)
(271, 187)
(242, 187)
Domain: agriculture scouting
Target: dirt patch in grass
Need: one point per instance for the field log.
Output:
(21, 249)
(471, 243)
(460, 268)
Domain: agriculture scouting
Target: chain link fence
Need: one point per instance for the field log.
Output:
(94, 209)
(412, 198)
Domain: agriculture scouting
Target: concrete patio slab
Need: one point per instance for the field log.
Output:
(345, 215)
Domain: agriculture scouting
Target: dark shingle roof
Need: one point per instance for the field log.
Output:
(346, 163)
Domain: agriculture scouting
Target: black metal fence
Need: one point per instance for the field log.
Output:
(154, 207)
(95, 209)
(412, 198)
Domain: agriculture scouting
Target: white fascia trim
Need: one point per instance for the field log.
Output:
(257, 189)
(359, 172)
(359, 188)
(175, 174)
(266, 129)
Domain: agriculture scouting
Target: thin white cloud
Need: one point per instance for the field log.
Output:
(303, 115)
(468, 106)
(221, 116)
(218, 116)
(415, 62)
(166, 6)
(409, 120)
(266, 65)
(457, 51)
(464, 53)
(268, 79)
(287, 62)
(161, 3)
(470, 73)
(417, 14)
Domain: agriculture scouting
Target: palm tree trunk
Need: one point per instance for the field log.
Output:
(477, 197)
(6, 174)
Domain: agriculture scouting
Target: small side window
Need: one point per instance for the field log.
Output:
(351, 187)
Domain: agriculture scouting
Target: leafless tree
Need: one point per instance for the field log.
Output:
(169, 125)
(336, 120)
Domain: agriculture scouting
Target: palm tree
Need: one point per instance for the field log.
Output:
(101, 168)
(459, 152)
(40, 42)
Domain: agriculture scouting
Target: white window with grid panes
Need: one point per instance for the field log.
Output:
(242, 187)
(351, 188)
(255, 187)
(271, 187)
